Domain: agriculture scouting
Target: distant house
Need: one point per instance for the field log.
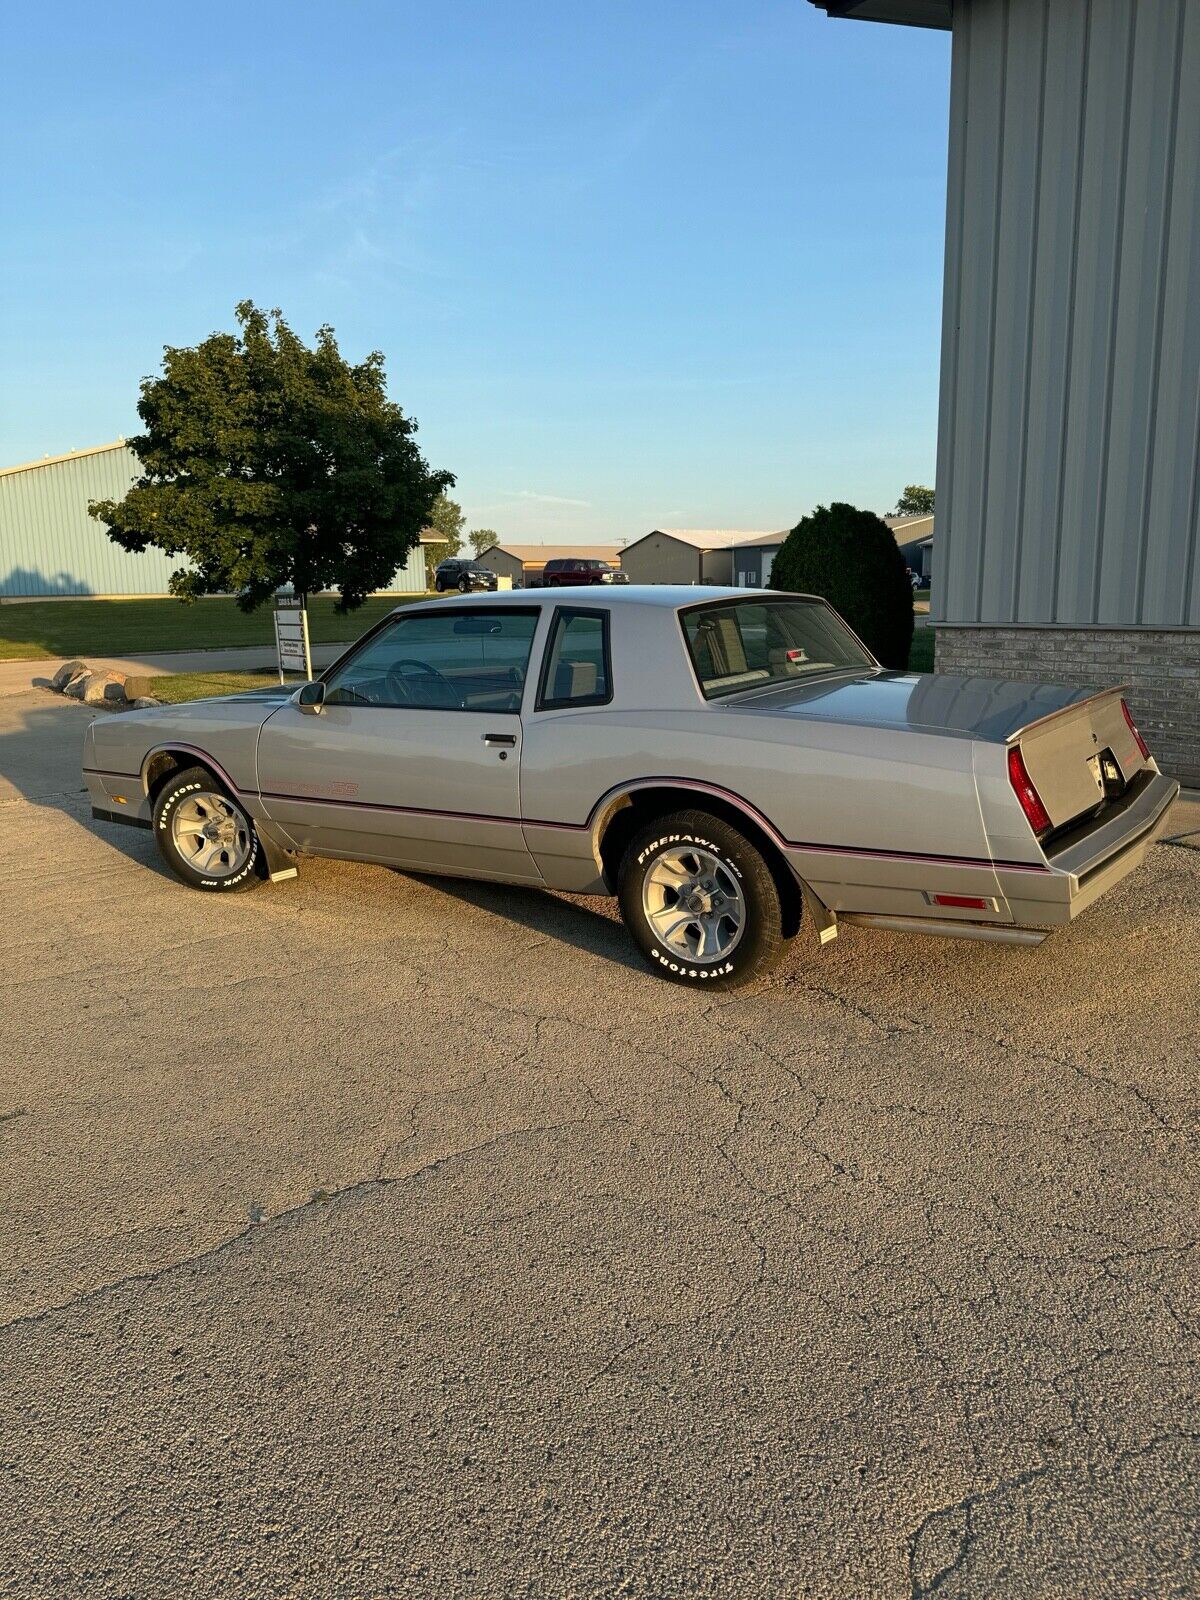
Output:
(914, 535)
(523, 563)
(689, 555)
(51, 548)
(752, 562)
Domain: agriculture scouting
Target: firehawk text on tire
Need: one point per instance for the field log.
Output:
(700, 901)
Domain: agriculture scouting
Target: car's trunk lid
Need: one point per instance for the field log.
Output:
(1069, 754)
(992, 709)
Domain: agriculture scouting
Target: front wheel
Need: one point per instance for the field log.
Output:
(205, 837)
(700, 901)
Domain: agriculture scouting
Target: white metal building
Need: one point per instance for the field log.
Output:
(50, 547)
(1068, 481)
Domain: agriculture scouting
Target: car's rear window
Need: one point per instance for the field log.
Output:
(748, 644)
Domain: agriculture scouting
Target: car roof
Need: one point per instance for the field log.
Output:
(664, 596)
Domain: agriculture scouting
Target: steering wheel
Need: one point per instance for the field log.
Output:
(407, 668)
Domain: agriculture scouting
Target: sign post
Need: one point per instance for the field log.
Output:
(291, 635)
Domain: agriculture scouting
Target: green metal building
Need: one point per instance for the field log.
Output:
(50, 547)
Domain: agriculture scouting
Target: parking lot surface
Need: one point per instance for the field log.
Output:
(371, 1235)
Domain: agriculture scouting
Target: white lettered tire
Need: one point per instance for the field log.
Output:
(700, 901)
(204, 835)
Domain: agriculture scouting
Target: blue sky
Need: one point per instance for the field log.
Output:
(630, 265)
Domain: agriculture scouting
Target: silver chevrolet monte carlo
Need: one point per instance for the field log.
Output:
(731, 764)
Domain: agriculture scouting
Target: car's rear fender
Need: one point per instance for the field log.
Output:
(618, 815)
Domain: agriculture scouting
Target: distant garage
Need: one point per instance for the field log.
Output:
(689, 555)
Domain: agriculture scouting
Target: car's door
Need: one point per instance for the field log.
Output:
(414, 758)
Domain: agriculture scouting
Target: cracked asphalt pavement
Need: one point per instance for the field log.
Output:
(379, 1236)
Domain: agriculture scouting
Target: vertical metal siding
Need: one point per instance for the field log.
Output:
(410, 578)
(1068, 488)
(50, 546)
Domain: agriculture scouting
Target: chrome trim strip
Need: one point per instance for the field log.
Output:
(987, 933)
(701, 788)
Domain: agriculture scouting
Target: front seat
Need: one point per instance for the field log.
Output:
(575, 680)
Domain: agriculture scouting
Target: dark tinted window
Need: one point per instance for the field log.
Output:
(440, 660)
(749, 643)
(577, 669)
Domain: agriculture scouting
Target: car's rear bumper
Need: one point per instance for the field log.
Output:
(1079, 873)
(1000, 896)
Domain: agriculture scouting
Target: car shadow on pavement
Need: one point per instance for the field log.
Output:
(585, 925)
(41, 756)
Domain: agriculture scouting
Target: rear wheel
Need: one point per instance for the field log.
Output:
(700, 901)
(205, 837)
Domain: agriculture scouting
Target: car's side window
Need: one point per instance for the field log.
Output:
(578, 669)
(440, 660)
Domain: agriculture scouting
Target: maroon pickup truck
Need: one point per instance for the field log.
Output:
(565, 572)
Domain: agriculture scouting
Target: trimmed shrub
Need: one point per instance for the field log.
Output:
(850, 558)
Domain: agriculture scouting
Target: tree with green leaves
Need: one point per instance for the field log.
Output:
(916, 501)
(446, 520)
(481, 539)
(266, 461)
(850, 558)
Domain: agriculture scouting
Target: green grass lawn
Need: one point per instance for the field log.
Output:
(38, 630)
(920, 656)
(173, 688)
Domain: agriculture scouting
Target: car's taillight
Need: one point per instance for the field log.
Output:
(1141, 743)
(1036, 814)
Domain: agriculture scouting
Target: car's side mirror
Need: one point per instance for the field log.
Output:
(309, 698)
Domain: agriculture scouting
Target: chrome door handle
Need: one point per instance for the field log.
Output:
(493, 739)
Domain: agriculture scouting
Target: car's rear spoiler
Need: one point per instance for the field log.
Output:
(1066, 711)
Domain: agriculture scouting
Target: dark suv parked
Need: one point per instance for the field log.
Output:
(566, 572)
(459, 572)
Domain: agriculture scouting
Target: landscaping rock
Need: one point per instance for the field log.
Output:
(138, 686)
(144, 702)
(68, 670)
(99, 686)
(77, 686)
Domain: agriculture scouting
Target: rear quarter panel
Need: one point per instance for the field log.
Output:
(858, 810)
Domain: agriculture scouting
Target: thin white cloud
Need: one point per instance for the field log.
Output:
(546, 499)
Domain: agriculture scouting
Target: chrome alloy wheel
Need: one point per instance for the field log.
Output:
(693, 903)
(211, 835)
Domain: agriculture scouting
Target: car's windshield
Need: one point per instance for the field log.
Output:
(746, 644)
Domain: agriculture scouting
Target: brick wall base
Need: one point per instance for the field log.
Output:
(1162, 667)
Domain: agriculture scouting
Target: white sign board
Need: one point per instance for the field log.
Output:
(291, 635)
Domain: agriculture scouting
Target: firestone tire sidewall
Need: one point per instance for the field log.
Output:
(173, 794)
(762, 941)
